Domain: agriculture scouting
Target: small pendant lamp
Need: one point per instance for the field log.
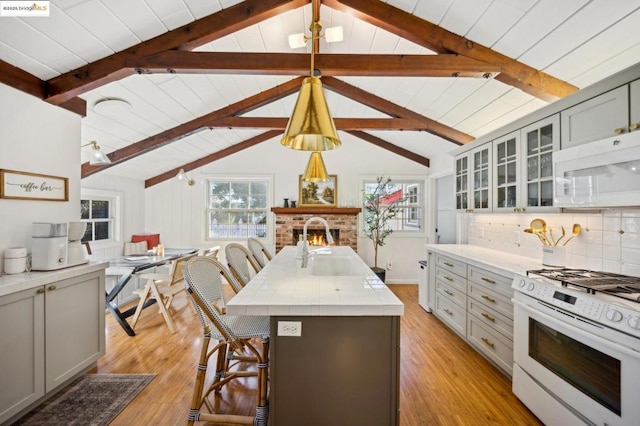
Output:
(316, 170)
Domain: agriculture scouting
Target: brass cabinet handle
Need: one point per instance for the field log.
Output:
(448, 311)
(489, 317)
(634, 126)
(450, 265)
(488, 299)
(449, 292)
(52, 287)
(519, 210)
(488, 342)
(619, 131)
(468, 211)
(490, 281)
(40, 290)
(448, 278)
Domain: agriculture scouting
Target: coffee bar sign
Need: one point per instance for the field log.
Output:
(33, 186)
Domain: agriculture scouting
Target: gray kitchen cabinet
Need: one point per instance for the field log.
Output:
(451, 293)
(462, 183)
(56, 332)
(473, 180)
(634, 106)
(600, 117)
(538, 142)
(506, 172)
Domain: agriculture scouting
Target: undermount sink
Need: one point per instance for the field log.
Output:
(335, 266)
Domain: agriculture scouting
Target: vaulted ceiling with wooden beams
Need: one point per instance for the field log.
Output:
(202, 80)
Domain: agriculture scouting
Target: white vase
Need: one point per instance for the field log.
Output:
(554, 256)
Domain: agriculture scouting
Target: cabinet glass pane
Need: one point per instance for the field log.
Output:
(485, 178)
(546, 165)
(546, 136)
(501, 153)
(511, 196)
(511, 172)
(546, 190)
(532, 195)
(532, 168)
(485, 157)
(476, 179)
(501, 175)
(511, 148)
(532, 142)
(501, 197)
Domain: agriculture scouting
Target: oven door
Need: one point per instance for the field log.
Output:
(593, 377)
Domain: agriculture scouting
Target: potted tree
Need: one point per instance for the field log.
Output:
(381, 203)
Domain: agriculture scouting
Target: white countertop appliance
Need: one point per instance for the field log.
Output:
(577, 346)
(57, 245)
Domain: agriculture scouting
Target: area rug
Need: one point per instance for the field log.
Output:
(93, 399)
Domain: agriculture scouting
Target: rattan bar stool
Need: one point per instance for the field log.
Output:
(235, 334)
(259, 251)
(239, 258)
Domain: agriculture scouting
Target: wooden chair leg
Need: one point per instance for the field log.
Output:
(143, 298)
(162, 307)
(198, 387)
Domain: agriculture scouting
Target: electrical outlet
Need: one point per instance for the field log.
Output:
(289, 328)
(389, 265)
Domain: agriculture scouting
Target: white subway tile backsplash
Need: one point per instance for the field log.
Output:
(600, 245)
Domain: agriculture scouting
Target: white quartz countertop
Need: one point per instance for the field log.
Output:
(283, 288)
(13, 283)
(493, 260)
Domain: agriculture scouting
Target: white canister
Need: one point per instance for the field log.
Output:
(554, 256)
(15, 260)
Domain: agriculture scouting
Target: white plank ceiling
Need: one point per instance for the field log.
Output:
(578, 41)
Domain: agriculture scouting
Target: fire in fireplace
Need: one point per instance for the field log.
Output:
(316, 237)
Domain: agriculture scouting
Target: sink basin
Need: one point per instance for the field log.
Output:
(334, 266)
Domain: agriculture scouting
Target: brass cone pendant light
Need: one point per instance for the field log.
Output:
(311, 127)
(316, 170)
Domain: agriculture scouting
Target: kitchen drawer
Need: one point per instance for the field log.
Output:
(491, 280)
(492, 299)
(451, 293)
(491, 317)
(451, 314)
(456, 266)
(454, 280)
(492, 344)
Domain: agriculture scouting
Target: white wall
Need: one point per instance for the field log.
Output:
(176, 210)
(39, 138)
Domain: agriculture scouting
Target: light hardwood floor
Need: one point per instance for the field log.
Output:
(443, 381)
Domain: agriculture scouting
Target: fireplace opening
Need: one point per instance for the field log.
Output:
(317, 237)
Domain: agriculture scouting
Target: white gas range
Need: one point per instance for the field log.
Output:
(577, 346)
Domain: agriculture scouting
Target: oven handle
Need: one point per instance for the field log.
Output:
(615, 346)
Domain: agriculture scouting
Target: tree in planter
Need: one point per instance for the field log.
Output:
(381, 203)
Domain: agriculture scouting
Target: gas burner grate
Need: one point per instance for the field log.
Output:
(624, 286)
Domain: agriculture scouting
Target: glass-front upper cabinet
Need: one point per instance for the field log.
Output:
(539, 140)
(481, 177)
(506, 167)
(462, 182)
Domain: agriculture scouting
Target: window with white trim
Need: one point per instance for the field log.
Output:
(238, 208)
(410, 217)
(100, 210)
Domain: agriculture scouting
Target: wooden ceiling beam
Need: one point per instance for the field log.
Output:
(183, 130)
(174, 61)
(187, 37)
(213, 157)
(383, 105)
(439, 40)
(390, 147)
(341, 123)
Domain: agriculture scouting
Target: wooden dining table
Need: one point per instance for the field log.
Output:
(125, 267)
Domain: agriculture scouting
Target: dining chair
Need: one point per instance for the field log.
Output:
(162, 287)
(237, 339)
(239, 259)
(259, 251)
(211, 252)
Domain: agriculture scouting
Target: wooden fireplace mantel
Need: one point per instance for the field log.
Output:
(316, 210)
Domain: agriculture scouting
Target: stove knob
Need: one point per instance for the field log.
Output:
(613, 315)
(522, 283)
(531, 286)
(634, 322)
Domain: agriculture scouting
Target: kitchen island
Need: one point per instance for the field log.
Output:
(335, 338)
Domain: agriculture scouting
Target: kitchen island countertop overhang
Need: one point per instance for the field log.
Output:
(283, 288)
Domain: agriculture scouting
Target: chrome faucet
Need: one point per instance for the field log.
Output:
(305, 243)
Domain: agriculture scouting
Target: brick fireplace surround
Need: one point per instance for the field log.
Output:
(344, 219)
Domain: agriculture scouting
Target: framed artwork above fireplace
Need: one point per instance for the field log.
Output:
(318, 194)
